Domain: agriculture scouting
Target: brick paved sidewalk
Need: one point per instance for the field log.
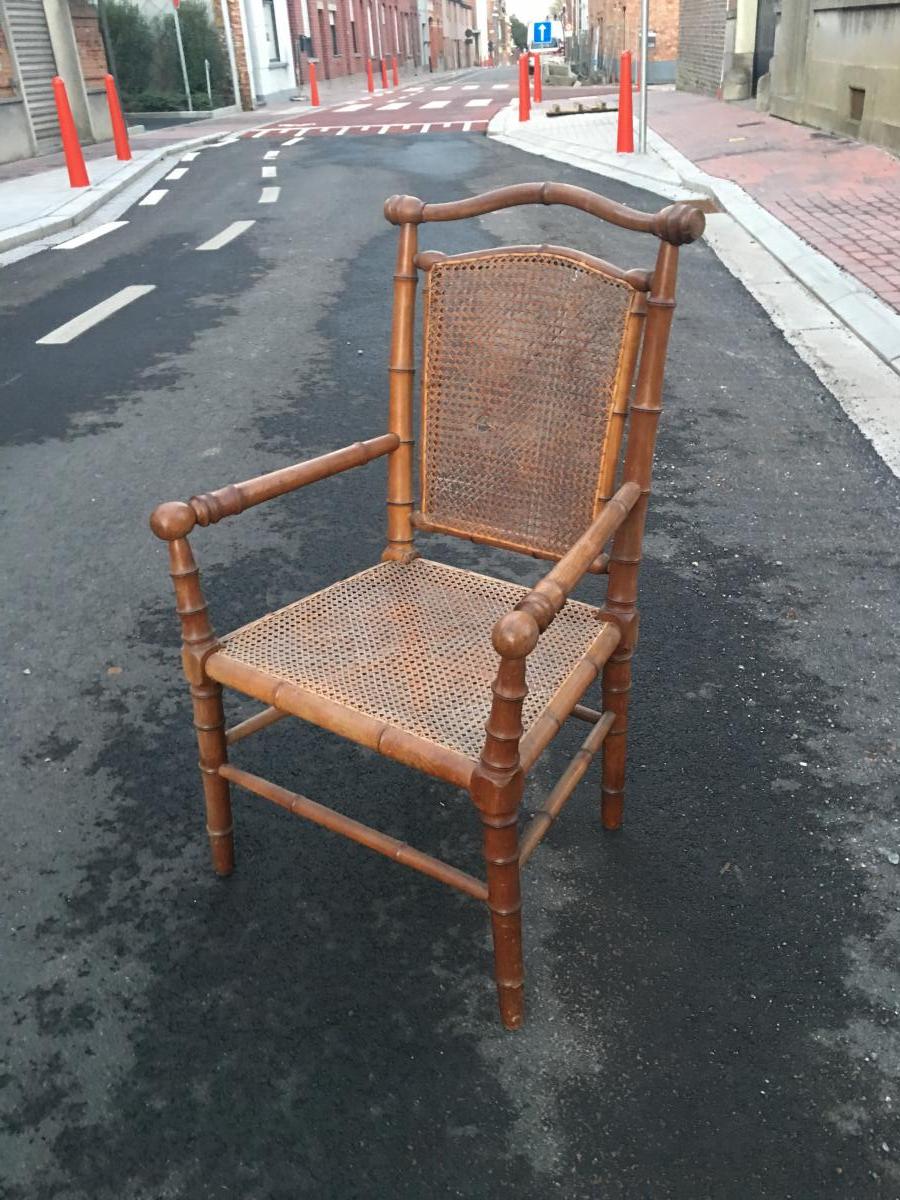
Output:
(841, 196)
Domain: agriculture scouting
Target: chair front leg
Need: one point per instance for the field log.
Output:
(172, 523)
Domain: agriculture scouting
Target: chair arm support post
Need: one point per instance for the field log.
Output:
(547, 598)
(400, 545)
(176, 519)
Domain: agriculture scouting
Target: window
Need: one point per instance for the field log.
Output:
(334, 42)
(271, 30)
(353, 36)
(857, 103)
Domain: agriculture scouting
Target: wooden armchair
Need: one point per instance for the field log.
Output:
(466, 677)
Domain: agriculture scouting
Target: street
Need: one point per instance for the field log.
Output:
(711, 994)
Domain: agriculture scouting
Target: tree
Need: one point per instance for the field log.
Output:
(519, 33)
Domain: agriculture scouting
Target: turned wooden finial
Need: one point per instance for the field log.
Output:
(404, 210)
(515, 635)
(680, 223)
(172, 520)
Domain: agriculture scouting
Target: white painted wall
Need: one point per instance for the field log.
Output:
(269, 78)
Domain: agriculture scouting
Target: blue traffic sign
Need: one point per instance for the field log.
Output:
(542, 33)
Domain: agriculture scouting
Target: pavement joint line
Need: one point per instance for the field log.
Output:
(269, 195)
(81, 239)
(178, 173)
(72, 329)
(154, 197)
(228, 234)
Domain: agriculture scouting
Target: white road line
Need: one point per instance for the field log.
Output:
(294, 140)
(269, 172)
(365, 128)
(83, 238)
(467, 125)
(352, 107)
(190, 157)
(271, 154)
(394, 106)
(448, 124)
(343, 129)
(404, 127)
(499, 87)
(177, 173)
(259, 134)
(470, 87)
(436, 104)
(385, 129)
(269, 195)
(424, 129)
(444, 87)
(155, 196)
(228, 234)
(93, 316)
(477, 103)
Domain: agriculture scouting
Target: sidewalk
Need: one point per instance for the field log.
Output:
(37, 201)
(824, 207)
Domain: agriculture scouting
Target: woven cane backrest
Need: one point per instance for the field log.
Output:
(527, 357)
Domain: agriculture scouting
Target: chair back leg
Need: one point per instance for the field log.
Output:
(501, 855)
(209, 722)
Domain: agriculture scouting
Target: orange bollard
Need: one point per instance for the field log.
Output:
(78, 176)
(524, 89)
(370, 82)
(120, 133)
(538, 82)
(313, 86)
(394, 74)
(384, 82)
(625, 131)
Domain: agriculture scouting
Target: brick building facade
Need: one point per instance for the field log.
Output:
(615, 27)
(701, 61)
(340, 35)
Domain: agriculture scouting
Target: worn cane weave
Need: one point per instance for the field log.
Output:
(522, 353)
(411, 645)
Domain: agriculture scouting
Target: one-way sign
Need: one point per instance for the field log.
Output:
(541, 35)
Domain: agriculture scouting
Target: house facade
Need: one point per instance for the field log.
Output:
(614, 27)
(40, 39)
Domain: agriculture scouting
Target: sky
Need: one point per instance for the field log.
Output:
(527, 10)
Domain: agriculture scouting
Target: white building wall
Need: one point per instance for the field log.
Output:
(270, 78)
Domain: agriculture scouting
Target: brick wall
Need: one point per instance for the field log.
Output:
(245, 91)
(345, 50)
(620, 24)
(702, 46)
(91, 52)
(7, 79)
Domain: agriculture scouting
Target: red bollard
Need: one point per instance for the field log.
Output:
(538, 83)
(394, 74)
(524, 89)
(313, 86)
(78, 176)
(625, 131)
(370, 82)
(120, 133)
(384, 82)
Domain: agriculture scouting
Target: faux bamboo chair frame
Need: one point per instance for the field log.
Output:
(496, 781)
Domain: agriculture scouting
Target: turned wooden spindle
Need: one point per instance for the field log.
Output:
(401, 377)
(496, 789)
(625, 559)
(171, 522)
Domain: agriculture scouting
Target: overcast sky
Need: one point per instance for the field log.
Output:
(527, 10)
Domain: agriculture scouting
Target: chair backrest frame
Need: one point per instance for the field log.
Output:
(646, 337)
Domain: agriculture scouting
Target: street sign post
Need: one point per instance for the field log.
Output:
(541, 33)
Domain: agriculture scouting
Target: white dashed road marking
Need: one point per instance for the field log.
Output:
(269, 195)
(228, 234)
(424, 129)
(436, 104)
(269, 172)
(394, 106)
(467, 125)
(155, 196)
(177, 173)
(294, 140)
(83, 238)
(352, 107)
(93, 316)
(190, 157)
(343, 129)
(470, 87)
(271, 154)
(477, 103)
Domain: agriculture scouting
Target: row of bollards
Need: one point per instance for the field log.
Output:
(370, 78)
(625, 128)
(78, 176)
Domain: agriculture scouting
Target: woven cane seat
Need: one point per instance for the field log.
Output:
(409, 645)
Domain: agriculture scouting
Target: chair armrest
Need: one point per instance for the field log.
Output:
(176, 519)
(546, 598)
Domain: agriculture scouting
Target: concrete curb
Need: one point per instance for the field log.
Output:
(77, 209)
(859, 309)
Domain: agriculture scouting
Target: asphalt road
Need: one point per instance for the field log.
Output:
(712, 1003)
